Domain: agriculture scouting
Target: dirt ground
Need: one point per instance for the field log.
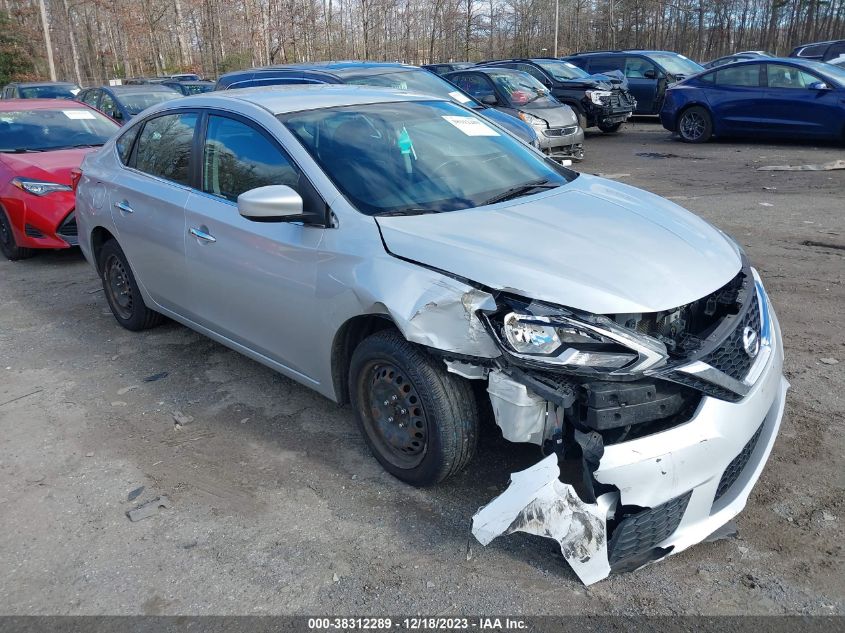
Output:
(277, 506)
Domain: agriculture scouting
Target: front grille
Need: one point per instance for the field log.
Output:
(636, 535)
(68, 229)
(561, 131)
(731, 357)
(735, 468)
(705, 387)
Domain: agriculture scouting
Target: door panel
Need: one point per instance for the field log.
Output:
(792, 107)
(147, 206)
(736, 99)
(642, 87)
(255, 282)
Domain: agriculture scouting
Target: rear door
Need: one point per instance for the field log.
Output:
(795, 105)
(148, 206)
(251, 282)
(736, 98)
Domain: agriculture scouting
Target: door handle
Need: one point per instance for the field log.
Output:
(124, 206)
(202, 235)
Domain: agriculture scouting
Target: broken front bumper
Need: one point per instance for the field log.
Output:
(670, 489)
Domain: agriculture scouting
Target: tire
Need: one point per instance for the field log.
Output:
(392, 381)
(122, 292)
(611, 128)
(695, 125)
(8, 246)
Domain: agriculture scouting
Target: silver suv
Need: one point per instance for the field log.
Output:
(399, 253)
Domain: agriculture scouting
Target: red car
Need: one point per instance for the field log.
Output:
(41, 142)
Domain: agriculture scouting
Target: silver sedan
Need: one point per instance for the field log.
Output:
(397, 252)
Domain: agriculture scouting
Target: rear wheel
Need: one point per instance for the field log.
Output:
(8, 246)
(695, 125)
(420, 422)
(122, 292)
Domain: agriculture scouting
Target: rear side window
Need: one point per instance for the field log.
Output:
(164, 146)
(747, 75)
(605, 64)
(237, 158)
(124, 143)
(816, 50)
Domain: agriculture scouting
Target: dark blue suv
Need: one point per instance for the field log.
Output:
(390, 75)
(648, 72)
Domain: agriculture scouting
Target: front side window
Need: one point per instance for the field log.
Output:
(108, 106)
(788, 77)
(420, 157)
(90, 97)
(747, 75)
(45, 130)
(164, 147)
(637, 67)
(237, 158)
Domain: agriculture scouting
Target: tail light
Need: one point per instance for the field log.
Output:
(75, 177)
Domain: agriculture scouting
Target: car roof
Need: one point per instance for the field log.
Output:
(296, 98)
(33, 84)
(11, 105)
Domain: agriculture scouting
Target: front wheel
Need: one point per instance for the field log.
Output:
(8, 246)
(611, 128)
(420, 421)
(695, 125)
(122, 292)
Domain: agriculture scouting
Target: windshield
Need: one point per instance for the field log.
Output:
(418, 81)
(522, 88)
(68, 91)
(420, 157)
(827, 70)
(561, 71)
(676, 64)
(42, 130)
(136, 101)
(195, 89)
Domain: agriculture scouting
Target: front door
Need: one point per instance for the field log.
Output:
(797, 105)
(252, 282)
(642, 77)
(148, 206)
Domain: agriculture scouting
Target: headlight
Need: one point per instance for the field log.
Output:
(39, 187)
(534, 121)
(596, 95)
(581, 343)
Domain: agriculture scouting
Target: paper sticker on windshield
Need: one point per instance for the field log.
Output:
(79, 114)
(471, 126)
(460, 97)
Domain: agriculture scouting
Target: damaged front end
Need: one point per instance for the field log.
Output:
(655, 426)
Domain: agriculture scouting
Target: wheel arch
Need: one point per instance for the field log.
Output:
(346, 339)
(99, 236)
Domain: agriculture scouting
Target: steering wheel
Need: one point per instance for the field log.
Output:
(443, 165)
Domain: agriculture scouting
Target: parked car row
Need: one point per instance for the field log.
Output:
(402, 252)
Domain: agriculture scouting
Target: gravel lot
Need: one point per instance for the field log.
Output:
(277, 506)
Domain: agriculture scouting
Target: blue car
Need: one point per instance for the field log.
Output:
(774, 97)
(385, 74)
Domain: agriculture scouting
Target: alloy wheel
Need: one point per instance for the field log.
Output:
(692, 126)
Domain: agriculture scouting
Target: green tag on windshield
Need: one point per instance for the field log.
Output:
(406, 146)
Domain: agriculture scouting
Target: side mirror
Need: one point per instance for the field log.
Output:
(273, 202)
(818, 85)
(490, 100)
(650, 74)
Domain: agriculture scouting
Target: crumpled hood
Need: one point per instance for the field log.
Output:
(593, 245)
(54, 166)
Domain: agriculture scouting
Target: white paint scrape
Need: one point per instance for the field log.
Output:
(537, 502)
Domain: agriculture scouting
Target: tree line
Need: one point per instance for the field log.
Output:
(96, 40)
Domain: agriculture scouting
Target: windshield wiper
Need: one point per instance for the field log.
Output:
(411, 211)
(521, 190)
(80, 145)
